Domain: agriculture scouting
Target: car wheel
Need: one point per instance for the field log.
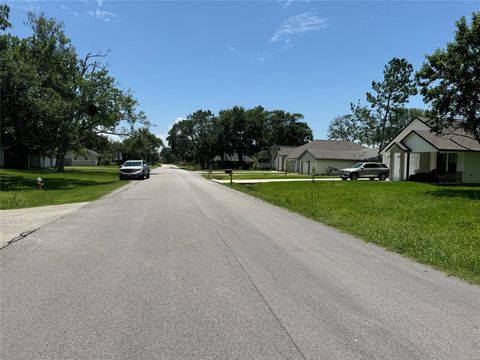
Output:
(120, 177)
(371, 179)
(148, 175)
(382, 177)
(143, 176)
(344, 179)
(353, 176)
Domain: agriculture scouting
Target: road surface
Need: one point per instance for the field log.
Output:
(178, 267)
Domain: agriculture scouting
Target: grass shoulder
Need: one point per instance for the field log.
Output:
(76, 184)
(434, 225)
(254, 175)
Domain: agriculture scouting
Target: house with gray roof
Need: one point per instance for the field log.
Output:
(279, 155)
(325, 157)
(418, 153)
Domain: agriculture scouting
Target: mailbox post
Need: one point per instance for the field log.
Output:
(230, 172)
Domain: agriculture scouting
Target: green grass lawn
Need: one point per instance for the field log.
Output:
(435, 225)
(260, 175)
(76, 184)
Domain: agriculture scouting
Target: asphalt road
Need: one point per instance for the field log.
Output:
(178, 267)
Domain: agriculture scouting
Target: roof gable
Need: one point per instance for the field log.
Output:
(419, 123)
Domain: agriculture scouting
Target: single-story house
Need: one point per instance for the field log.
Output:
(279, 156)
(326, 157)
(417, 153)
(264, 159)
(231, 161)
(21, 159)
(82, 158)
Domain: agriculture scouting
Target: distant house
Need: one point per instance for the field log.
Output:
(231, 161)
(325, 157)
(417, 153)
(264, 159)
(279, 156)
(15, 158)
(82, 158)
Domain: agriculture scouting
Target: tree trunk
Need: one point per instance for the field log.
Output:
(60, 162)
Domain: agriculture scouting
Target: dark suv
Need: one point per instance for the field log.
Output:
(369, 170)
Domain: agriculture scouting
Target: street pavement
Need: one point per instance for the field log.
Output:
(15, 224)
(179, 267)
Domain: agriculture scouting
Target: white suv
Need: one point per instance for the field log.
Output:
(137, 169)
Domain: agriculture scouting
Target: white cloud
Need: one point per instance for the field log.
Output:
(69, 11)
(258, 58)
(103, 15)
(286, 3)
(298, 24)
(232, 49)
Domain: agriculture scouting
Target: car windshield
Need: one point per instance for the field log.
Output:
(357, 165)
(133, 163)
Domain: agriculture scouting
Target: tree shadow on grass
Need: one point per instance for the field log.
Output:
(473, 194)
(16, 183)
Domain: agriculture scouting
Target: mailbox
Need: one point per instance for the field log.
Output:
(228, 171)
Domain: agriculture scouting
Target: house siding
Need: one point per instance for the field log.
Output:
(471, 162)
(324, 165)
(413, 141)
(414, 125)
(307, 163)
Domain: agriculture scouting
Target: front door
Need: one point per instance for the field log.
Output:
(441, 164)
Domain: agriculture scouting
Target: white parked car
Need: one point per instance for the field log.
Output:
(134, 169)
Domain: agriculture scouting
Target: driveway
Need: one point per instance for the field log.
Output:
(179, 267)
(18, 223)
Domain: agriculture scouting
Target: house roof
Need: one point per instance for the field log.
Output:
(285, 150)
(263, 155)
(450, 139)
(334, 149)
(83, 152)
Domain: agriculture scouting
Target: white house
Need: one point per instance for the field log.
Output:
(328, 156)
(418, 153)
(84, 158)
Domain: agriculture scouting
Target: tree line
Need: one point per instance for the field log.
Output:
(203, 135)
(449, 81)
(52, 99)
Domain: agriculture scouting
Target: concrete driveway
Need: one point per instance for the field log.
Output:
(179, 267)
(17, 223)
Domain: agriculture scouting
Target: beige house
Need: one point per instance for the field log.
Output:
(417, 153)
(279, 156)
(326, 157)
(84, 158)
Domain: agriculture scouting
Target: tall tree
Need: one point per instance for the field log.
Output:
(353, 126)
(52, 100)
(286, 129)
(450, 80)
(202, 137)
(388, 97)
(180, 140)
(142, 144)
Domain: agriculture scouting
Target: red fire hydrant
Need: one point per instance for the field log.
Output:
(40, 183)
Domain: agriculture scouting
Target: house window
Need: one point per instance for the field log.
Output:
(86, 157)
(452, 164)
(75, 158)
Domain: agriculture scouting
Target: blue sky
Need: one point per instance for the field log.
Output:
(312, 57)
